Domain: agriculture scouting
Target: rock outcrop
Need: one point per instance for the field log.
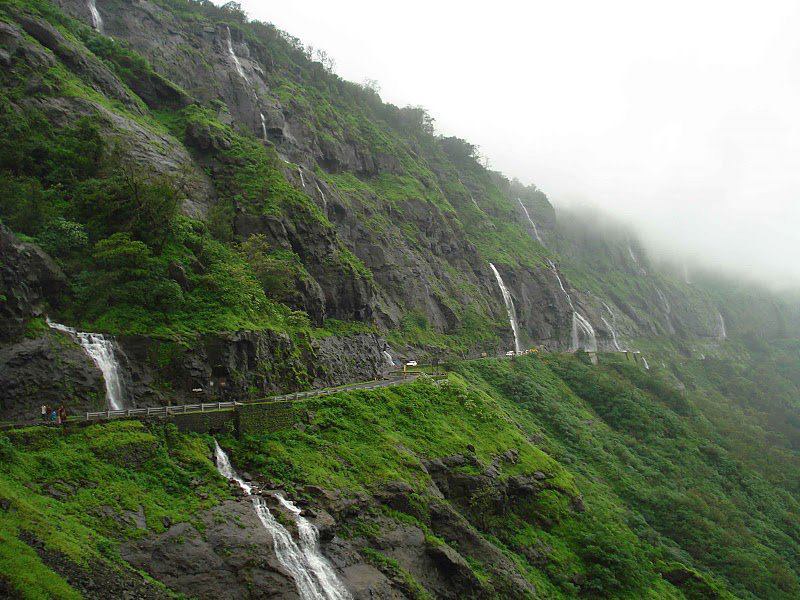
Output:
(29, 280)
(50, 369)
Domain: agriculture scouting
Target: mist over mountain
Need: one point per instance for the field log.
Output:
(679, 120)
(264, 334)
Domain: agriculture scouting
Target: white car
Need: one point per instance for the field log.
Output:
(411, 363)
(510, 353)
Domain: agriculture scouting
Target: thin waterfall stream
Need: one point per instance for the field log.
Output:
(322, 195)
(97, 20)
(312, 573)
(509, 302)
(235, 58)
(263, 127)
(101, 350)
(533, 225)
(722, 331)
(610, 327)
(580, 324)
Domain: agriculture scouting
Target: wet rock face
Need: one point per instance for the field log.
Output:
(47, 370)
(241, 365)
(232, 559)
(28, 280)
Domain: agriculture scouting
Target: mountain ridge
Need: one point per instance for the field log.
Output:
(237, 221)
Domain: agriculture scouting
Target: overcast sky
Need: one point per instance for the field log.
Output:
(682, 116)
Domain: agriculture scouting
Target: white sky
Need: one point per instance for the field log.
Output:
(682, 117)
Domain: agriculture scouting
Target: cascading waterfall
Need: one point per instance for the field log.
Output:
(309, 543)
(101, 350)
(509, 302)
(613, 334)
(313, 575)
(475, 202)
(664, 301)
(97, 20)
(302, 179)
(235, 58)
(686, 279)
(388, 357)
(322, 195)
(611, 327)
(580, 324)
(644, 362)
(722, 332)
(533, 225)
(263, 127)
(635, 260)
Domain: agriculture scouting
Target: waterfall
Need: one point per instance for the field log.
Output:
(535, 230)
(97, 20)
(664, 301)
(613, 334)
(302, 179)
(475, 202)
(509, 302)
(388, 357)
(721, 331)
(101, 350)
(636, 262)
(611, 327)
(324, 199)
(309, 543)
(644, 361)
(235, 58)
(686, 279)
(263, 127)
(580, 324)
(312, 573)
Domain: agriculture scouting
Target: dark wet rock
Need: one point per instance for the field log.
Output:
(231, 559)
(29, 281)
(454, 567)
(48, 370)
(81, 62)
(95, 580)
(243, 364)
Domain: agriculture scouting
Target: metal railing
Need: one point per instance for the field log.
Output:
(160, 411)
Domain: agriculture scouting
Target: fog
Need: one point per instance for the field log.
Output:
(682, 118)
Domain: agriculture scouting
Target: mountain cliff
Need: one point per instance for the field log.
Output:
(234, 220)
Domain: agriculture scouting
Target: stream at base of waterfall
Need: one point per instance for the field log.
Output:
(311, 571)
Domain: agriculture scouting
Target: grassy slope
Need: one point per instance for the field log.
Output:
(669, 491)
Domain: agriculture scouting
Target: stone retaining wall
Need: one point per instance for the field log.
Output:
(264, 417)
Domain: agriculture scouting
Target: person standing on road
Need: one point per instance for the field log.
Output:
(44, 412)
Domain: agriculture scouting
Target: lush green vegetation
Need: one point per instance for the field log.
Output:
(687, 473)
(76, 494)
(675, 501)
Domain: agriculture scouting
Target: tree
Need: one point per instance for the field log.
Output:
(417, 117)
(372, 85)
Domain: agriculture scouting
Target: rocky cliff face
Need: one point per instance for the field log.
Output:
(375, 553)
(387, 225)
(424, 221)
(29, 280)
